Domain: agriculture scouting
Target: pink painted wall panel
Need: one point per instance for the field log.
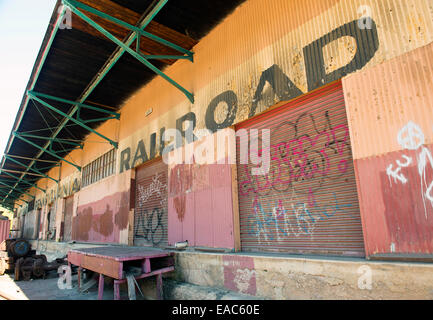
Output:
(204, 218)
(222, 218)
(102, 220)
(4, 229)
(200, 205)
(396, 201)
(188, 226)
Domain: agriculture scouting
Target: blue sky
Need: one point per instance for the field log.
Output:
(23, 24)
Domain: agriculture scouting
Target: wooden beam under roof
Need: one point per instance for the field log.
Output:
(147, 46)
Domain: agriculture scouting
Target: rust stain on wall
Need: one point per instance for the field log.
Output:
(82, 223)
(122, 216)
(180, 182)
(102, 221)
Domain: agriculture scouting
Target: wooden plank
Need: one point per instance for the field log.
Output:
(108, 267)
(147, 46)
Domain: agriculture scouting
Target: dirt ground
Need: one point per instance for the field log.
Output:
(48, 289)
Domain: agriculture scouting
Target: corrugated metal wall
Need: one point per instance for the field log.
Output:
(307, 202)
(4, 230)
(201, 205)
(151, 214)
(390, 110)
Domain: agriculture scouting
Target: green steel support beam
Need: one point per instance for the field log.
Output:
(53, 34)
(50, 148)
(26, 158)
(24, 181)
(19, 190)
(75, 4)
(45, 150)
(136, 55)
(82, 105)
(168, 57)
(47, 105)
(95, 81)
(32, 169)
(6, 194)
(98, 119)
(63, 141)
(15, 171)
(7, 205)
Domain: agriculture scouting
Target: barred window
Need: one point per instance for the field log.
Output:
(99, 169)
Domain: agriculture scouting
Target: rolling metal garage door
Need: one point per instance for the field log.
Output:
(307, 202)
(151, 214)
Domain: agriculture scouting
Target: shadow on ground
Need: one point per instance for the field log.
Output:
(48, 289)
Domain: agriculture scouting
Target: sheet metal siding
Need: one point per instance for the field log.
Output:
(151, 213)
(308, 201)
(273, 51)
(397, 216)
(390, 115)
(383, 99)
(4, 230)
(200, 205)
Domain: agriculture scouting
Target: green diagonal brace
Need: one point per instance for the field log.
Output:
(17, 189)
(76, 4)
(45, 150)
(63, 141)
(98, 119)
(82, 105)
(136, 55)
(7, 194)
(26, 182)
(7, 205)
(30, 168)
(47, 105)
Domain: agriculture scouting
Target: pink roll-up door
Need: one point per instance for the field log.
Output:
(307, 202)
(4, 230)
(150, 217)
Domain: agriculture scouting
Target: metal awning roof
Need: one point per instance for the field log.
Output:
(83, 74)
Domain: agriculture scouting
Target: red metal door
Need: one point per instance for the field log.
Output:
(307, 202)
(4, 230)
(150, 217)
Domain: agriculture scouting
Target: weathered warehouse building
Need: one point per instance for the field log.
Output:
(344, 87)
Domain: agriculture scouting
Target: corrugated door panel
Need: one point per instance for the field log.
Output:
(69, 205)
(29, 224)
(52, 223)
(307, 202)
(4, 230)
(151, 219)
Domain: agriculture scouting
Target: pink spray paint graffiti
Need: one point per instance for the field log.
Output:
(306, 155)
